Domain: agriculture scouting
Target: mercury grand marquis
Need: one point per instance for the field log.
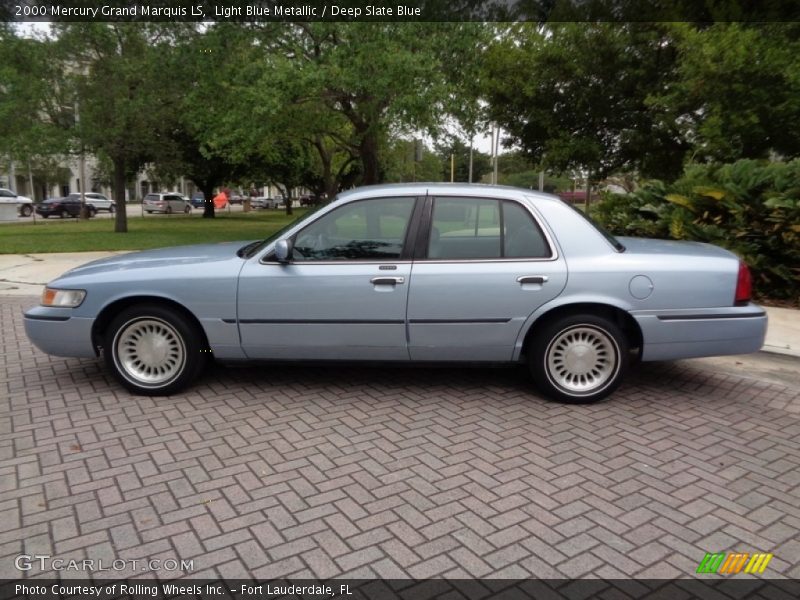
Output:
(410, 273)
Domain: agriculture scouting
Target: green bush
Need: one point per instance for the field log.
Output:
(750, 207)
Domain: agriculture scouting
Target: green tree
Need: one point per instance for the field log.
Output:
(36, 105)
(399, 164)
(209, 67)
(378, 77)
(125, 99)
(737, 87)
(576, 96)
(481, 162)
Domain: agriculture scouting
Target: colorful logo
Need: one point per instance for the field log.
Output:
(734, 562)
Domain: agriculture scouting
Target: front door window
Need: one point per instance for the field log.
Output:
(364, 230)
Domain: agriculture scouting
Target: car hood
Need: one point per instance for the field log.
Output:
(675, 248)
(200, 254)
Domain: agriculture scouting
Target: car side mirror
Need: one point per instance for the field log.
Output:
(283, 251)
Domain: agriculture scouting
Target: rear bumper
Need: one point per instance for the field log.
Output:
(55, 331)
(689, 333)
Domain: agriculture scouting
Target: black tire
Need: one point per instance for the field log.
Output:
(111, 209)
(168, 210)
(25, 210)
(187, 209)
(131, 361)
(91, 211)
(578, 359)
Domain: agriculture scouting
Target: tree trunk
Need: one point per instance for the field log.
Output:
(328, 179)
(470, 160)
(368, 149)
(208, 204)
(287, 198)
(121, 214)
(588, 191)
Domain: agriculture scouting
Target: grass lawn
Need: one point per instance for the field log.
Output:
(72, 235)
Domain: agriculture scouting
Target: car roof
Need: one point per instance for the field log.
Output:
(465, 190)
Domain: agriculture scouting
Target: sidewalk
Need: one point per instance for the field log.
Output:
(25, 274)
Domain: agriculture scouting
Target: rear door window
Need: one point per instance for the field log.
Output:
(477, 228)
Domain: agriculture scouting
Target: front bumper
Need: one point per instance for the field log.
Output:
(58, 332)
(691, 333)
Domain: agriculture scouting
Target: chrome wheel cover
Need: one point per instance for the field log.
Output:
(149, 352)
(582, 360)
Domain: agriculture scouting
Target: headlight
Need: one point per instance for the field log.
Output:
(63, 298)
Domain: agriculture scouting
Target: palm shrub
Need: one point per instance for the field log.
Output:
(750, 207)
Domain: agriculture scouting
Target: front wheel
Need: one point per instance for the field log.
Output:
(111, 209)
(25, 210)
(579, 359)
(153, 350)
(187, 209)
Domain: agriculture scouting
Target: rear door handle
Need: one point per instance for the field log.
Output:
(532, 279)
(387, 280)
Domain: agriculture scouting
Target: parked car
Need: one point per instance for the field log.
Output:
(166, 203)
(198, 200)
(410, 273)
(63, 208)
(99, 201)
(236, 199)
(307, 200)
(266, 202)
(578, 197)
(24, 204)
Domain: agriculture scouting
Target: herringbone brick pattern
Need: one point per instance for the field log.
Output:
(349, 472)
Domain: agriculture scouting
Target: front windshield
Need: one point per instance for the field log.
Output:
(255, 247)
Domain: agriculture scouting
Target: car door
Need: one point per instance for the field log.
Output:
(483, 266)
(342, 295)
(172, 201)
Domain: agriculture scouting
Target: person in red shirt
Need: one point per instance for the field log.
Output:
(221, 200)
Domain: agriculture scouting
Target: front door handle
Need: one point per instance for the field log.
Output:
(533, 279)
(387, 280)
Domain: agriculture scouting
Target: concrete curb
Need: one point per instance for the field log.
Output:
(25, 274)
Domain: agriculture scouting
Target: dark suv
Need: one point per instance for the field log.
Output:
(307, 200)
(63, 207)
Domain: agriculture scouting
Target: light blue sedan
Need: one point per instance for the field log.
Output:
(412, 273)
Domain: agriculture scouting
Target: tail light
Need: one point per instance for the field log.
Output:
(744, 285)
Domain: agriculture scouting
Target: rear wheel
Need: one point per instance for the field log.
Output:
(153, 350)
(92, 211)
(579, 358)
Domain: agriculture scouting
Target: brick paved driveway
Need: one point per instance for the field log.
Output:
(304, 471)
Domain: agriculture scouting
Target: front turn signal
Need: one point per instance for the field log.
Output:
(62, 298)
